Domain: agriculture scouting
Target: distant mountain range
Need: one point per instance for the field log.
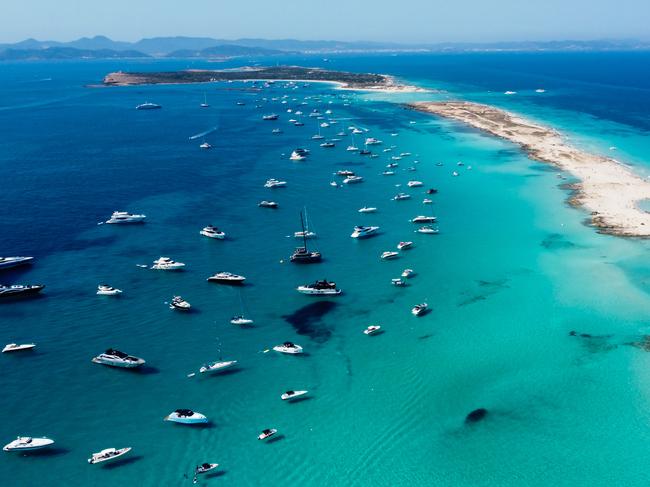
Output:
(205, 47)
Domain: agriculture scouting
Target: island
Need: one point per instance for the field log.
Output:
(344, 80)
(608, 189)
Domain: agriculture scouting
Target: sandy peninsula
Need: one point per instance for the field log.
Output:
(606, 188)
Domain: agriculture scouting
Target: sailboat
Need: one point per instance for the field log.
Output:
(352, 148)
(302, 255)
(317, 136)
(240, 319)
(205, 101)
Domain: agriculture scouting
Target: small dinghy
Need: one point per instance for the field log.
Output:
(289, 395)
(267, 434)
(14, 347)
(372, 329)
(27, 443)
(108, 454)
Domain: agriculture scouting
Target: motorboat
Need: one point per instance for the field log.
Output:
(415, 184)
(372, 141)
(214, 367)
(396, 158)
(364, 152)
(288, 347)
(298, 123)
(205, 145)
(295, 156)
(404, 245)
(274, 183)
(364, 232)
(276, 131)
(319, 288)
(424, 219)
(328, 145)
(289, 395)
(20, 290)
(106, 290)
(398, 282)
(180, 304)
(115, 358)
(271, 116)
(15, 347)
(240, 320)
(212, 232)
(388, 173)
(427, 201)
(227, 278)
(267, 204)
(267, 433)
(428, 229)
(372, 329)
(205, 468)
(367, 209)
(405, 154)
(432, 191)
(406, 273)
(454, 173)
(389, 255)
(9, 262)
(324, 125)
(186, 416)
(392, 165)
(401, 196)
(334, 183)
(27, 443)
(345, 172)
(126, 217)
(352, 180)
(167, 264)
(108, 454)
(148, 106)
(419, 309)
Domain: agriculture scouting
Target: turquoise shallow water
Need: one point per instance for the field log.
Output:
(512, 272)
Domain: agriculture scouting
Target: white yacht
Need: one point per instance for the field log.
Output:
(372, 329)
(267, 433)
(419, 309)
(415, 184)
(372, 141)
(274, 183)
(108, 454)
(180, 304)
(401, 196)
(367, 209)
(352, 180)
(205, 468)
(126, 217)
(344, 172)
(404, 245)
(297, 157)
(389, 255)
(15, 347)
(214, 367)
(319, 288)
(428, 229)
(205, 145)
(106, 290)
(115, 358)
(227, 278)
(148, 106)
(424, 219)
(27, 443)
(167, 264)
(186, 416)
(289, 395)
(8, 262)
(212, 232)
(288, 347)
(267, 204)
(363, 232)
(406, 273)
(241, 320)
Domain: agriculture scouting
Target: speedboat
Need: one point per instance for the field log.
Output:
(167, 264)
(363, 232)
(427, 229)
(404, 245)
(240, 320)
(267, 204)
(125, 217)
(372, 329)
(406, 273)
(14, 347)
(205, 145)
(344, 172)
(419, 309)
(186, 416)
(372, 141)
(389, 255)
(212, 232)
(179, 303)
(106, 290)
(401, 196)
(108, 454)
(305, 234)
(27, 443)
(205, 468)
(319, 288)
(295, 156)
(415, 184)
(272, 116)
(289, 395)
(288, 347)
(398, 282)
(423, 219)
(115, 358)
(274, 183)
(148, 106)
(367, 209)
(227, 278)
(217, 366)
(20, 290)
(267, 434)
(8, 262)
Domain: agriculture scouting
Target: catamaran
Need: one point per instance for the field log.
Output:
(302, 255)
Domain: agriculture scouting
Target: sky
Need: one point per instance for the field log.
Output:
(407, 21)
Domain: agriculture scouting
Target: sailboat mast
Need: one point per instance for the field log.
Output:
(304, 235)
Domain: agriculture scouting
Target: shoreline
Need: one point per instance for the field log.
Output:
(608, 189)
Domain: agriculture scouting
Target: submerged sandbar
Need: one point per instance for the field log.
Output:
(607, 188)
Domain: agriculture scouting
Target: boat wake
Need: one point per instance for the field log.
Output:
(203, 134)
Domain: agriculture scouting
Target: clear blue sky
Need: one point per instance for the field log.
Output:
(378, 20)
